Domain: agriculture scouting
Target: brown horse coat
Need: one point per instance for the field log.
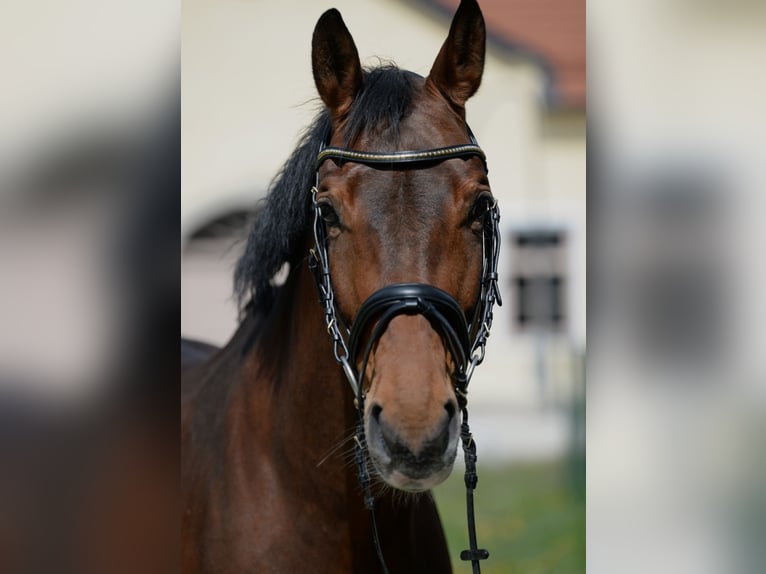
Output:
(267, 421)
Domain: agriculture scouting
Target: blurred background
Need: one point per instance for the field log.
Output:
(89, 265)
(248, 92)
(676, 314)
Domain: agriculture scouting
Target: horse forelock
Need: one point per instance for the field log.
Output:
(378, 110)
(281, 220)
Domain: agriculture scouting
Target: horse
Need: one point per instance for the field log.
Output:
(385, 207)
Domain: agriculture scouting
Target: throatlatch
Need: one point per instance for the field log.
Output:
(466, 341)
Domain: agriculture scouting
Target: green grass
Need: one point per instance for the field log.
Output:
(531, 518)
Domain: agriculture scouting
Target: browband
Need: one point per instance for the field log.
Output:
(399, 157)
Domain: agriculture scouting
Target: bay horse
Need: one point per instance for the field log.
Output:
(402, 246)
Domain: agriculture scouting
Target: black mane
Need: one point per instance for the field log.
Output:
(281, 223)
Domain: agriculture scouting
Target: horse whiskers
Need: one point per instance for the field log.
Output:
(400, 497)
(334, 449)
(380, 488)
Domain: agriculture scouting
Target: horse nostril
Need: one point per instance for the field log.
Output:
(375, 412)
(383, 430)
(379, 429)
(449, 406)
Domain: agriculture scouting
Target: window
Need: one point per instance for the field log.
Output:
(538, 280)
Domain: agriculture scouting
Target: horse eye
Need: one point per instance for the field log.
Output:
(480, 208)
(328, 213)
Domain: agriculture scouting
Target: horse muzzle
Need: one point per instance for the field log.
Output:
(407, 465)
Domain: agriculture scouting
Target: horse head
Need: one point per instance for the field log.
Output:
(418, 223)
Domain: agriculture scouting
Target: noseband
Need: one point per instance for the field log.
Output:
(465, 339)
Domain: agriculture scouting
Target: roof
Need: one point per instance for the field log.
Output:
(552, 32)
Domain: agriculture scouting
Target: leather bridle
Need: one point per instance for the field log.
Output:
(466, 340)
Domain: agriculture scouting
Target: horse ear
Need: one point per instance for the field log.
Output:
(335, 63)
(457, 71)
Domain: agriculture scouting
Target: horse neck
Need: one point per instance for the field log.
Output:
(308, 402)
(301, 425)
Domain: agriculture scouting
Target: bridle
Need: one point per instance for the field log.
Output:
(465, 340)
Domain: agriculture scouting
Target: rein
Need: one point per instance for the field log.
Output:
(466, 340)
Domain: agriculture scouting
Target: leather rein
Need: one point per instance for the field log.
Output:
(465, 339)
